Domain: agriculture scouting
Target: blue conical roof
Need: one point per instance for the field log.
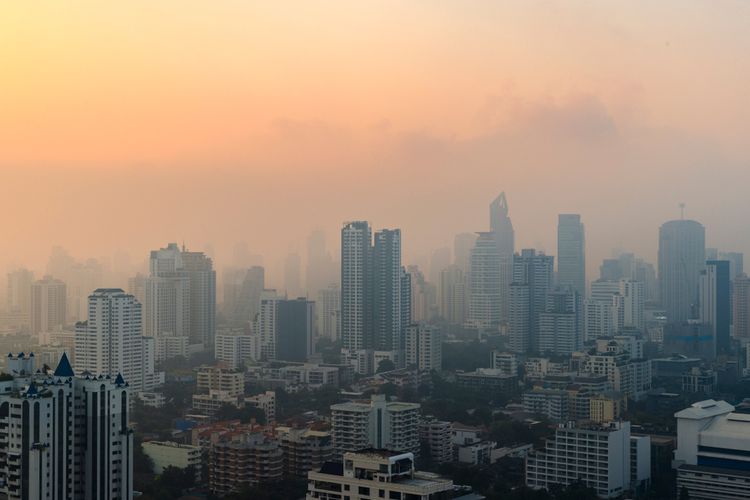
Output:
(119, 380)
(63, 367)
(32, 390)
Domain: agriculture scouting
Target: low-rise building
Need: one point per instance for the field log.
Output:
(437, 435)
(165, 454)
(265, 401)
(209, 404)
(371, 474)
(506, 362)
(213, 378)
(488, 380)
(607, 407)
(304, 450)
(242, 461)
(699, 381)
(235, 347)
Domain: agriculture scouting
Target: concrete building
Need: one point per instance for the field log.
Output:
(65, 436)
(453, 295)
(243, 460)
(485, 284)
(487, 379)
(328, 308)
(242, 290)
(741, 307)
(18, 295)
(506, 362)
(561, 323)
(699, 381)
(715, 302)
(377, 423)
(199, 270)
(713, 451)
(295, 326)
(682, 256)
(438, 436)
(601, 456)
(630, 377)
(502, 229)
(212, 378)
(235, 347)
(48, 305)
(265, 401)
(208, 404)
(607, 407)
(424, 347)
(376, 474)
(571, 253)
(165, 454)
(356, 293)
(166, 310)
(532, 280)
(304, 450)
(110, 341)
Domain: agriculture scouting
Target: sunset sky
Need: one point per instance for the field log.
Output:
(131, 124)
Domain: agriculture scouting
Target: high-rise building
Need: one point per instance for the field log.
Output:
(266, 324)
(614, 305)
(328, 308)
(736, 263)
(715, 290)
(561, 323)
(292, 275)
(532, 279)
(202, 282)
(424, 347)
(423, 296)
(440, 259)
(387, 291)
(453, 295)
(242, 290)
(235, 347)
(66, 436)
(462, 245)
(682, 248)
(48, 305)
(356, 287)
(502, 229)
(295, 323)
(571, 253)
(18, 298)
(376, 424)
(166, 310)
(321, 270)
(485, 283)
(741, 307)
(110, 341)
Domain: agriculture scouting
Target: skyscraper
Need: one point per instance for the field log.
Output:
(532, 279)
(453, 294)
(356, 288)
(571, 253)
(242, 290)
(741, 307)
(561, 323)
(462, 245)
(202, 278)
(292, 272)
(321, 270)
(48, 305)
(18, 298)
(485, 283)
(502, 229)
(682, 247)
(329, 313)
(111, 342)
(387, 291)
(715, 289)
(266, 324)
(294, 329)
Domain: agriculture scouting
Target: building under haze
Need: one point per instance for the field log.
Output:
(18, 297)
(48, 305)
(462, 245)
(485, 284)
(202, 282)
(453, 294)
(387, 292)
(242, 291)
(741, 307)
(502, 229)
(682, 250)
(571, 253)
(295, 323)
(532, 280)
(561, 323)
(110, 341)
(715, 306)
(328, 312)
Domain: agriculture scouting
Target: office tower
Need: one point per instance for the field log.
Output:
(423, 296)
(453, 295)
(137, 287)
(18, 299)
(66, 436)
(377, 424)
(81, 280)
(292, 271)
(242, 290)
(295, 321)
(715, 290)
(608, 459)
(614, 305)
(741, 307)
(166, 310)
(391, 475)
(736, 263)
(646, 273)
(48, 311)
(328, 309)
(561, 323)
(532, 279)
(321, 270)
(202, 278)
(424, 346)
(682, 247)
(440, 259)
(712, 450)
(387, 291)
(356, 287)
(266, 324)
(462, 245)
(485, 283)
(110, 341)
(571, 253)
(502, 229)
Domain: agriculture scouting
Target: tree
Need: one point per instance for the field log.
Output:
(244, 414)
(684, 494)
(386, 365)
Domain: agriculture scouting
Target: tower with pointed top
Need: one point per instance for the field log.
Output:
(502, 229)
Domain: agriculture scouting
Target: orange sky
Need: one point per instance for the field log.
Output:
(236, 120)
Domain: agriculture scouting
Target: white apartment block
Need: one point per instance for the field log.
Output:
(376, 424)
(165, 454)
(598, 455)
(424, 347)
(265, 401)
(628, 376)
(506, 362)
(234, 348)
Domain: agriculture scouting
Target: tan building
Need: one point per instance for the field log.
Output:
(607, 407)
(209, 404)
(212, 378)
(245, 460)
(304, 449)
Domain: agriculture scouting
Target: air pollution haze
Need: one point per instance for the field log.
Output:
(127, 125)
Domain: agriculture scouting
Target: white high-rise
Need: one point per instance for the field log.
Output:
(424, 348)
(356, 320)
(485, 284)
(266, 323)
(329, 312)
(502, 229)
(167, 307)
(561, 323)
(571, 253)
(453, 295)
(48, 305)
(532, 279)
(614, 305)
(202, 282)
(110, 341)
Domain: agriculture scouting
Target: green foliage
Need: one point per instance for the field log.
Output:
(170, 484)
(468, 356)
(386, 365)
(288, 488)
(244, 414)
(290, 405)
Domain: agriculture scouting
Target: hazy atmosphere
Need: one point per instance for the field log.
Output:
(214, 123)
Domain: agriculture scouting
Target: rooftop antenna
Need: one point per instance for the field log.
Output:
(682, 211)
